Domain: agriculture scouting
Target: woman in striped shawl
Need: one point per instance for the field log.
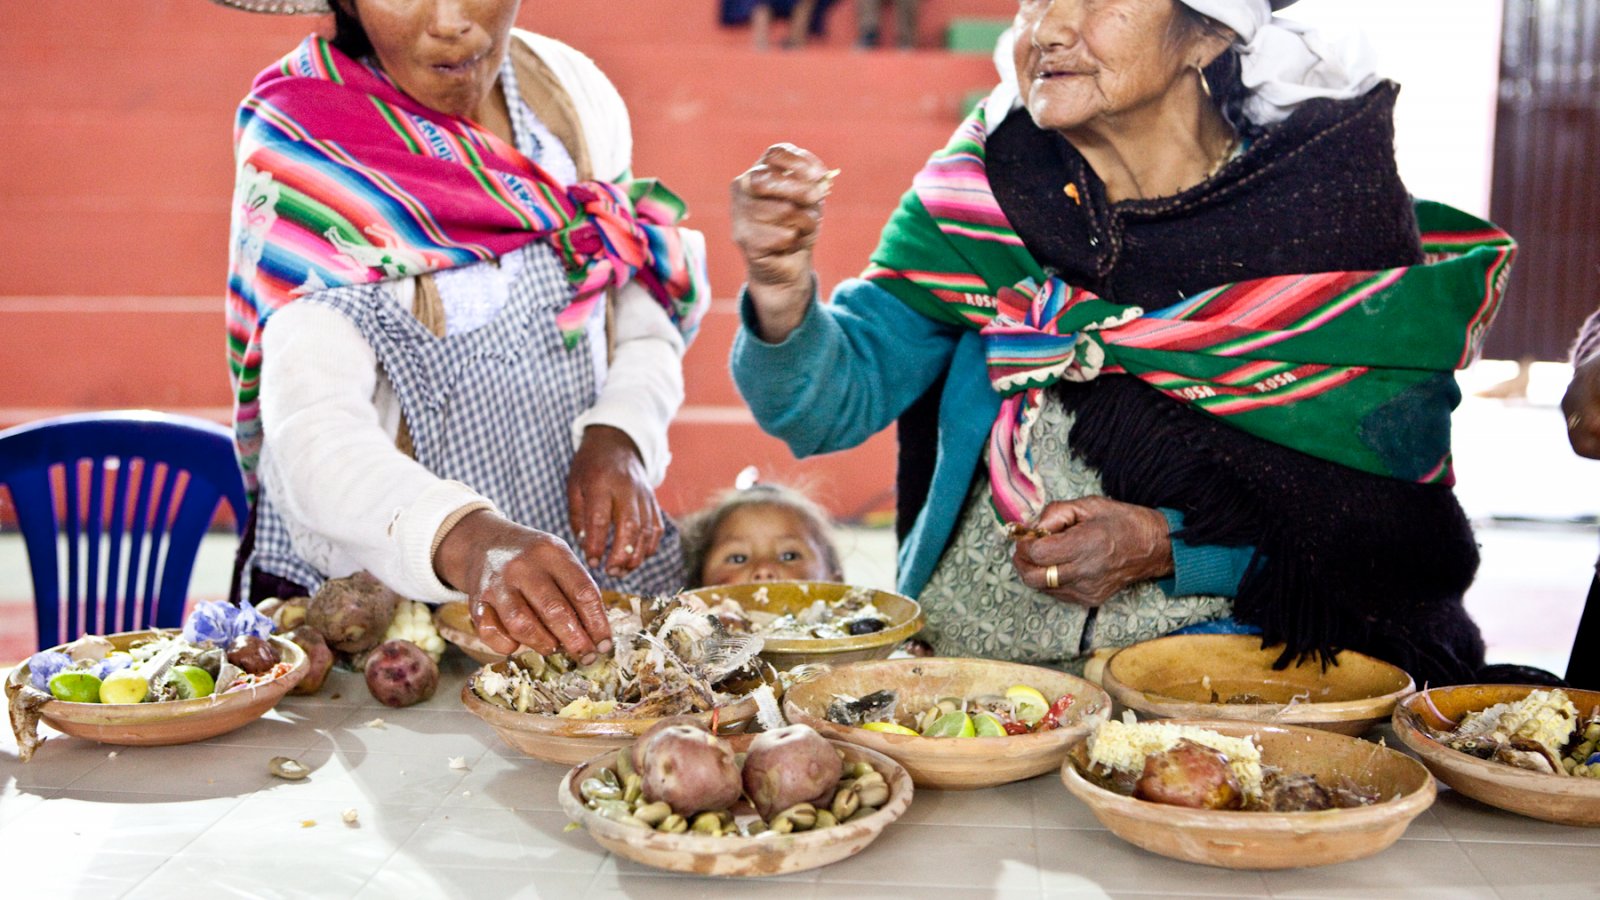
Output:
(1170, 345)
(455, 322)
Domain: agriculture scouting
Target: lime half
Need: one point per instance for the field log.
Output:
(192, 682)
(124, 686)
(75, 687)
(1029, 704)
(955, 724)
(987, 724)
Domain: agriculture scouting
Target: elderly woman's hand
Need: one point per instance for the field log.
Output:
(1097, 546)
(1581, 406)
(524, 586)
(608, 493)
(777, 210)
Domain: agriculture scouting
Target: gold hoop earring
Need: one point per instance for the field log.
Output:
(1205, 86)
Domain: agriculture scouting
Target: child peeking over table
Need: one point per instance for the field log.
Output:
(764, 532)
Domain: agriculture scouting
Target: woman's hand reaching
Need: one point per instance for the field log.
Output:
(608, 494)
(777, 212)
(1096, 546)
(1581, 406)
(524, 587)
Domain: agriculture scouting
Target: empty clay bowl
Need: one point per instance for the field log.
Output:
(170, 722)
(1176, 677)
(1266, 840)
(952, 763)
(1566, 799)
(903, 614)
(743, 856)
(570, 741)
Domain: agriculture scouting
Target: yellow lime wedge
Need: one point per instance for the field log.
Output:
(956, 724)
(1029, 705)
(987, 724)
(888, 728)
(75, 687)
(192, 682)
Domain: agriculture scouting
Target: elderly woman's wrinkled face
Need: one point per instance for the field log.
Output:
(445, 54)
(1083, 60)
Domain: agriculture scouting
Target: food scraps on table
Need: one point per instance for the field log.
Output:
(850, 615)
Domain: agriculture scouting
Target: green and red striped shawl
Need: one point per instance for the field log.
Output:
(1352, 367)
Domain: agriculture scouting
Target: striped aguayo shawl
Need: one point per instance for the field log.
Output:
(1307, 361)
(343, 179)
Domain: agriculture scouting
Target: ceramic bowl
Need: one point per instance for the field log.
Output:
(1176, 677)
(1265, 840)
(741, 856)
(554, 739)
(952, 763)
(904, 616)
(171, 722)
(454, 622)
(1565, 799)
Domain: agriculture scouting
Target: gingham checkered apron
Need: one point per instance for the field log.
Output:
(492, 408)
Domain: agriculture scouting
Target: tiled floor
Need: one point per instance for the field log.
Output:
(158, 822)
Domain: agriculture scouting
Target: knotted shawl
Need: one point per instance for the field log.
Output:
(342, 179)
(1344, 366)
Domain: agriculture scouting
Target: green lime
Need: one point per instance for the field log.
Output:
(955, 724)
(1029, 705)
(987, 724)
(124, 686)
(75, 687)
(888, 728)
(192, 682)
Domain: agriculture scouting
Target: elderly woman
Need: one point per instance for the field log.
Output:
(455, 324)
(1189, 353)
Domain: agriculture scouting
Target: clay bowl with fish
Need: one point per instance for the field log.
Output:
(1230, 676)
(454, 622)
(850, 624)
(170, 721)
(737, 855)
(1422, 722)
(951, 763)
(1244, 839)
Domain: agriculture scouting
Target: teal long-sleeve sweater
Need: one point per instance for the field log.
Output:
(854, 365)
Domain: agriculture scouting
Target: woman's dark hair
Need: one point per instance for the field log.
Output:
(700, 529)
(1222, 74)
(349, 37)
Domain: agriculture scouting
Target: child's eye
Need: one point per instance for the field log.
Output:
(789, 556)
(737, 559)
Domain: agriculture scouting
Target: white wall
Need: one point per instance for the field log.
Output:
(1446, 56)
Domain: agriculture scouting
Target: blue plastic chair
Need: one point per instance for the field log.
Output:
(140, 489)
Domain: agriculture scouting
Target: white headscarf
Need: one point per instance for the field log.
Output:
(1283, 63)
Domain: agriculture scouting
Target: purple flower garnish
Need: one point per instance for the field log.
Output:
(44, 665)
(111, 664)
(248, 621)
(211, 623)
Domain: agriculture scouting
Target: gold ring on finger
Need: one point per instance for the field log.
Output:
(1574, 420)
(1052, 577)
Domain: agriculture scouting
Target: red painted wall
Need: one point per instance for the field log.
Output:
(116, 167)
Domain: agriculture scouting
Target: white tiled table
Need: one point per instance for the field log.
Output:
(90, 820)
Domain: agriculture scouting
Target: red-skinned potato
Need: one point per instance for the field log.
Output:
(659, 726)
(686, 766)
(399, 673)
(1190, 774)
(319, 659)
(788, 766)
(352, 613)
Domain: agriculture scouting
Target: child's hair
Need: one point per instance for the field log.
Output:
(700, 528)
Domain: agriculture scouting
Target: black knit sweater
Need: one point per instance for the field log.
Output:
(1345, 559)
